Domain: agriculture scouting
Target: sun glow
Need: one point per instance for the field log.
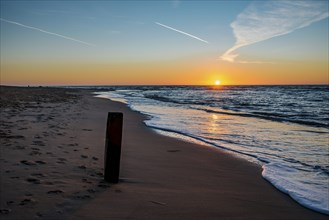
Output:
(217, 82)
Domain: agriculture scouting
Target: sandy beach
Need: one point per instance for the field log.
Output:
(52, 149)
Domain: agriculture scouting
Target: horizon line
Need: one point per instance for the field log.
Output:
(158, 85)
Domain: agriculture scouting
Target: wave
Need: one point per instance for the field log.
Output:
(209, 141)
(267, 116)
(162, 99)
(239, 109)
(201, 139)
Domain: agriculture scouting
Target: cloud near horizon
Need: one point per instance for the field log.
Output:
(264, 20)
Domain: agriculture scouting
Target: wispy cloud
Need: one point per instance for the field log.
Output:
(47, 32)
(263, 20)
(182, 32)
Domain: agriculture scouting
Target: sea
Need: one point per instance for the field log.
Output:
(285, 129)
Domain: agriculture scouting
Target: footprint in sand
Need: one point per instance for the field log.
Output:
(32, 163)
(37, 137)
(45, 134)
(10, 202)
(28, 162)
(19, 147)
(48, 183)
(82, 197)
(83, 167)
(27, 201)
(55, 192)
(38, 175)
(5, 211)
(103, 185)
(14, 177)
(91, 191)
(100, 174)
(85, 180)
(39, 143)
(94, 158)
(33, 180)
(61, 161)
(49, 153)
(38, 214)
(35, 153)
(15, 137)
(173, 151)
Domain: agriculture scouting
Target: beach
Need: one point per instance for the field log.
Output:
(52, 149)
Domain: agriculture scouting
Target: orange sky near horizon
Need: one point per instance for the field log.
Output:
(187, 72)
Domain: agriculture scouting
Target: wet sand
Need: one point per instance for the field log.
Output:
(52, 146)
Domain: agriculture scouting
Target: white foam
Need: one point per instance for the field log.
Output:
(112, 96)
(290, 181)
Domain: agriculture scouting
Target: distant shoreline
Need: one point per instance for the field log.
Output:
(160, 85)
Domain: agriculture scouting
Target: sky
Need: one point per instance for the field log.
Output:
(164, 42)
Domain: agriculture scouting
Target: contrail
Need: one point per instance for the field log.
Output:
(47, 32)
(182, 32)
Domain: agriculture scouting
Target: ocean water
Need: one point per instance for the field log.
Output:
(283, 128)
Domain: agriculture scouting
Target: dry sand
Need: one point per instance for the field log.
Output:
(51, 152)
(52, 145)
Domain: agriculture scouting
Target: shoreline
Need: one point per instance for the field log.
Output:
(176, 147)
(280, 147)
(161, 177)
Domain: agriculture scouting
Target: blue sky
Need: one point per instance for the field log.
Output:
(126, 31)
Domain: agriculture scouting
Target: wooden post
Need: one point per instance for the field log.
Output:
(113, 147)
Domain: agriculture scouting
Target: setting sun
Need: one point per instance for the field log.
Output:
(217, 82)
